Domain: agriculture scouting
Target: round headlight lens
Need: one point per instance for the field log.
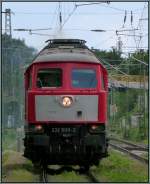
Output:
(66, 101)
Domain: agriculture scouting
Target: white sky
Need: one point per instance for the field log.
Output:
(109, 17)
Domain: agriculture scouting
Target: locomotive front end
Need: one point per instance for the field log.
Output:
(66, 97)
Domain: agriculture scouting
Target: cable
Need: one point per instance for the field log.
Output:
(75, 7)
(118, 9)
(31, 33)
(76, 14)
(92, 3)
(137, 59)
(140, 26)
(100, 3)
(104, 40)
(54, 16)
(114, 67)
(141, 15)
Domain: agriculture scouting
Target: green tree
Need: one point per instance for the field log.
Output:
(112, 57)
(15, 55)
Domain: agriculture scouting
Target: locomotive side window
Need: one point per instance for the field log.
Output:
(51, 77)
(102, 81)
(30, 81)
(84, 78)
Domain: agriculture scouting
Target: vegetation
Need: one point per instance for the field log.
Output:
(15, 168)
(115, 168)
(68, 177)
(128, 64)
(130, 120)
(15, 56)
(140, 69)
(9, 139)
(127, 108)
(112, 57)
(120, 168)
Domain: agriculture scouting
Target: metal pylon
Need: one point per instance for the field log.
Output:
(8, 22)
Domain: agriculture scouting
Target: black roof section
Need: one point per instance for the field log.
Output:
(66, 50)
(77, 43)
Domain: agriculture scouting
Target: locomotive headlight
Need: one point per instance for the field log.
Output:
(96, 128)
(39, 129)
(67, 101)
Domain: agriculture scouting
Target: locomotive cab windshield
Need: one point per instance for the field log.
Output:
(51, 77)
(84, 78)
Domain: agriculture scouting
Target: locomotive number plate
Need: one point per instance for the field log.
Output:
(64, 130)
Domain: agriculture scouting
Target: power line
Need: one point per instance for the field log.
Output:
(130, 35)
(141, 15)
(53, 18)
(137, 59)
(40, 34)
(85, 4)
(76, 14)
(114, 68)
(134, 47)
(75, 7)
(30, 30)
(104, 40)
(143, 19)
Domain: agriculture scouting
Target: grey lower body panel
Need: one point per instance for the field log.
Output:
(83, 108)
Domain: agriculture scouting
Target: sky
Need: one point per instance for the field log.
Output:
(78, 19)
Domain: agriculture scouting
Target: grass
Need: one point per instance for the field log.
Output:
(68, 177)
(115, 168)
(121, 168)
(21, 175)
(5, 156)
(16, 168)
(9, 139)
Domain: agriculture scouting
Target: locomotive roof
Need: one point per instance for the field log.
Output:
(66, 50)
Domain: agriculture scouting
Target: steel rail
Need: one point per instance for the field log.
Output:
(43, 175)
(143, 148)
(137, 157)
(92, 178)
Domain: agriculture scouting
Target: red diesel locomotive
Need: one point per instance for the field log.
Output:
(66, 90)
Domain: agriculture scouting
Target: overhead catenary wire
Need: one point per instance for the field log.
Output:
(77, 5)
(66, 13)
(29, 30)
(113, 67)
(85, 4)
(138, 26)
(129, 35)
(54, 17)
(100, 3)
(140, 61)
(40, 34)
(104, 41)
(70, 14)
(67, 17)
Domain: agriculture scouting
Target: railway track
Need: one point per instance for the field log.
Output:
(133, 145)
(43, 175)
(44, 172)
(92, 178)
(129, 148)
